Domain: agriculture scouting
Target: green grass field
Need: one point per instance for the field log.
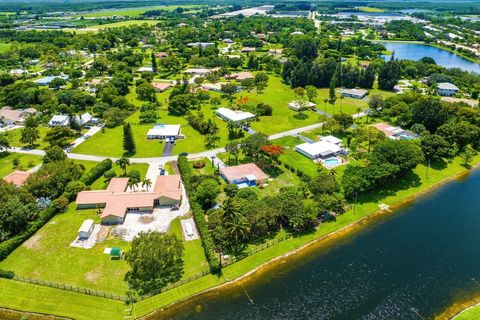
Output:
(470, 314)
(370, 9)
(27, 161)
(132, 12)
(295, 159)
(4, 47)
(15, 135)
(48, 256)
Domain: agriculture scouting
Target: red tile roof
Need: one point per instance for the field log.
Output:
(118, 185)
(242, 171)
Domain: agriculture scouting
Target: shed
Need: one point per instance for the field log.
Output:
(86, 229)
(115, 253)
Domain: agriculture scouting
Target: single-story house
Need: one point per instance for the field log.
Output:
(84, 119)
(447, 89)
(248, 49)
(234, 115)
(227, 40)
(395, 133)
(325, 148)
(301, 105)
(240, 76)
(17, 177)
(145, 69)
(296, 33)
(18, 72)
(201, 44)
(86, 229)
(161, 86)
(59, 120)
(117, 202)
(216, 87)
(198, 71)
(45, 81)
(354, 93)
(275, 52)
(244, 175)
(10, 116)
(164, 132)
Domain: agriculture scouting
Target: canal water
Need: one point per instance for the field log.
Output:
(411, 264)
(416, 51)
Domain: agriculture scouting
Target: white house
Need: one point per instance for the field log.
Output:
(84, 118)
(447, 89)
(145, 69)
(201, 44)
(198, 71)
(327, 147)
(234, 115)
(354, 93)
(164, 132)
(86, 229)
(59, 120)
(298, 105)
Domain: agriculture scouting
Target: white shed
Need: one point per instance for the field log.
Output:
(86, 229)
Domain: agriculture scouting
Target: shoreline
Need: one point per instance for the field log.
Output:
(347, 230)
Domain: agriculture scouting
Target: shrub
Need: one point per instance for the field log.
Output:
(199, 165)
(96, 172)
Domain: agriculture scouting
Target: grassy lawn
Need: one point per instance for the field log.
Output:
(100, 183)
(278, 95)
(110, 142)
(27, 161)
(15, 135)
(370, 9)
(19, 296)
(295, 159)
(194, 256)
(282, 178)
(133, 12)
(122, 24)
(470, 314)
(208, 169)
(48, 256)
(4, 47)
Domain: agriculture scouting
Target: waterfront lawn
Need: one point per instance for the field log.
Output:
(47, 255)
(470, 314)
(293, 158)
(35, 298)
(27, 161)
(14, 136)
(194, 260)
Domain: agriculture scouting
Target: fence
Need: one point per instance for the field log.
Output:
(65, 287)
(108, 295)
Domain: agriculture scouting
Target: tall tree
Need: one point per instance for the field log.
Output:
(123, 163)
(154, 61)
(128, 139)
(29, 136)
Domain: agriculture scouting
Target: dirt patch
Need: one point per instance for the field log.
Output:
(34, 242)
(103, 233)
(146, 219)
(10, 314)
(93, 275)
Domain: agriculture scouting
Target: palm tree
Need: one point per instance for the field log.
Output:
(341, 102)
(123, 163)
(146, 183)
(132, 184)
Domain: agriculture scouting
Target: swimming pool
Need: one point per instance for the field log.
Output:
(331, 162)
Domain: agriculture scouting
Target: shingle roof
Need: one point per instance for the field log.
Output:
(243, 171)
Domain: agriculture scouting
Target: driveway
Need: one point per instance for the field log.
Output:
(90, 132)
(168, 149)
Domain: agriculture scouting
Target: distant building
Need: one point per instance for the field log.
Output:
(234, 115)
(17, 177)
(298, 105)
(354, 93)
(145, 69)
(198, 71)
(395, 133)
(248, 49)
(447, 89)
(227, 40)
(9, 116)
(161, 54)
(201, 44)
(164, 132)
(45, 81)
(245, 175)
(59, 120)
(161, 86)
(18, 72)
(240, 76)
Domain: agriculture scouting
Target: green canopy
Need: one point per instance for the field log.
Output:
(115, 251)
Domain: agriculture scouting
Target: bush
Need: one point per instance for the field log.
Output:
(60, 204)
(73, 188)
(96, 172)
(199, 216)
(199, 165)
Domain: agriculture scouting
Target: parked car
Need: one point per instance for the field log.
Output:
(183, 154)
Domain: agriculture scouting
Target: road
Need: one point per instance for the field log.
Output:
(162, 160)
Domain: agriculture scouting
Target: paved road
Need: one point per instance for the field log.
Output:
(162, 160)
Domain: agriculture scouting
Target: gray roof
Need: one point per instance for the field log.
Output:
(447, 86)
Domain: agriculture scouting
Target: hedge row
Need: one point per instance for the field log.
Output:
(11, 244)
(199, 216)
(96, 172)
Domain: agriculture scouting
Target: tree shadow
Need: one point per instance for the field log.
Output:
(439, 165)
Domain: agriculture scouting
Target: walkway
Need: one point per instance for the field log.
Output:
(89, 133)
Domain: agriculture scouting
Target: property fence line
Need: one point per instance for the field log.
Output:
(102, 294)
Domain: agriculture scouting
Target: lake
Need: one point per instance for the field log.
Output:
(408, 265)
(416, 51)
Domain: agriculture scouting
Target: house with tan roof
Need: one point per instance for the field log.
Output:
(17, 177)
(244, 175)
(116, 201)
(240, 76)
(161, 86)
(11, 116)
